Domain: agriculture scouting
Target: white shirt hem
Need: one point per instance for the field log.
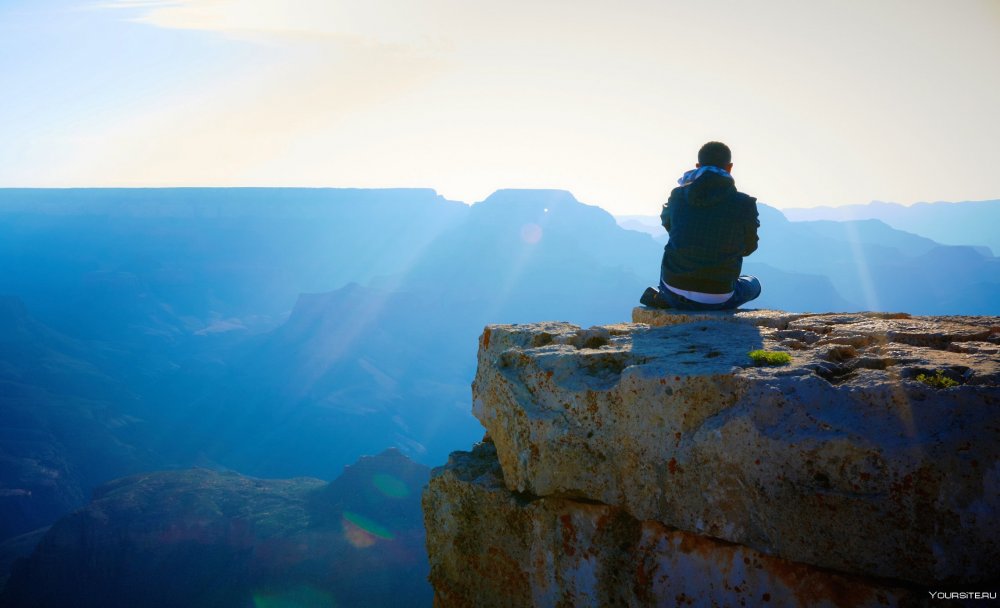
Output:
(702, 298)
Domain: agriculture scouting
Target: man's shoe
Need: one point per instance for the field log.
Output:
(651, 298)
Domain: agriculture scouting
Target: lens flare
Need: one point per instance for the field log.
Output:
(363, 532)
(358, 538)
(391, 486)
(531, 233)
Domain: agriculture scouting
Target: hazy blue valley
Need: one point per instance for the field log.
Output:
(285, 333)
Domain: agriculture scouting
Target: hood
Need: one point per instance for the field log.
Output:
(710, 190)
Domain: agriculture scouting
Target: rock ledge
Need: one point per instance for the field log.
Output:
(842, 460)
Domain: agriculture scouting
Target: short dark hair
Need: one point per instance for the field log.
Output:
(716, 154)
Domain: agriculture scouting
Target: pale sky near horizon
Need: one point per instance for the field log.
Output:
(822, 102)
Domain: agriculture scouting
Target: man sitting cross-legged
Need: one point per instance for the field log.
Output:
(712, 226)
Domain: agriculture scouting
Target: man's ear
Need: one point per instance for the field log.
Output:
(729, 168)
(697, 165)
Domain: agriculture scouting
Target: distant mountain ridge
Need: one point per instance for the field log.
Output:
(965, 223)
(212, 202)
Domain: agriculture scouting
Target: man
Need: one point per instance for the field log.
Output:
(712, 227)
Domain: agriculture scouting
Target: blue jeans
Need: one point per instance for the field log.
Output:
(747, 288)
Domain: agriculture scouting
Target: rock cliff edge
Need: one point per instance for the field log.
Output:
(653, 463)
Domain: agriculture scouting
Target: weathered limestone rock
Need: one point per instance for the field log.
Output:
(490, 547)
(841, 459)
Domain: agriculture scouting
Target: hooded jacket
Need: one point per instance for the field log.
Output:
(712, 227)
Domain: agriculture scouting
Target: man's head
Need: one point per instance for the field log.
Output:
(716, 154)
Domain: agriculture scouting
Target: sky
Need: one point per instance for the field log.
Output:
(822, 102)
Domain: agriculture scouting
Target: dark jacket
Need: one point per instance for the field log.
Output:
(712, 226)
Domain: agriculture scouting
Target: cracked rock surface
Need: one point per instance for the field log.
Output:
(490, 547)
(842, 459)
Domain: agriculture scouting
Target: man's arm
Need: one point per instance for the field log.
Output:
(750, 226)
(665, 213)
(665, 216)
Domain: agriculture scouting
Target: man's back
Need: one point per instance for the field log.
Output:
(712, 226)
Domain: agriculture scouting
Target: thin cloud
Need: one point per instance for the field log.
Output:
(295, 91)
(138, 3)
(378, 21)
